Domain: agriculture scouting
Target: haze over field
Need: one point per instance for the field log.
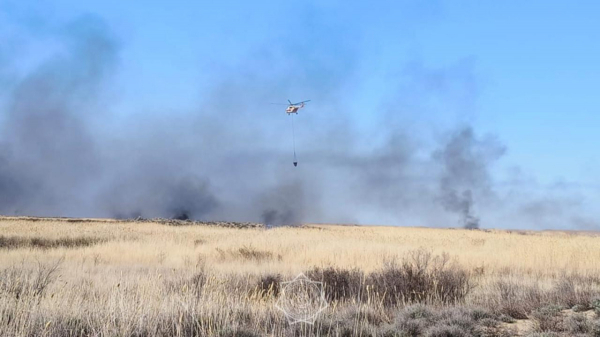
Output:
(101, 116)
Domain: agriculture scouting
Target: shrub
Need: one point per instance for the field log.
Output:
(595, 304)
(418, 311)
(580, 308)
(363, 314)
(389, 330)
(339, 284)
(412, 327)
(548, 318)
(478, 314)
(571, 291)
(462, 318)
(576, 324)
(269, 285)
(506, 318)
(446, 331)
(421, 278)
(413, 320)
(595, 328)
(517, 300)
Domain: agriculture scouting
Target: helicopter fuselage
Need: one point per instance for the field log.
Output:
(293, 109)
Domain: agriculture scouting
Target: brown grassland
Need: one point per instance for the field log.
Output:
(147, 278)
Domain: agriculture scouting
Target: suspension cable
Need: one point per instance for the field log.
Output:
(294, 140)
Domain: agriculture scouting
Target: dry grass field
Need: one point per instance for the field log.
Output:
(145, 278)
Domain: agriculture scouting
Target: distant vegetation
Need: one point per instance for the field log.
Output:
(16, 242)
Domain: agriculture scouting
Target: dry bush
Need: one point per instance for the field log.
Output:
(414, 320)
(595, 328)
(466, 321)
(595, 304)
(339, 284)
(418, 278)
(348, 321)
(577, 324)
(572, 290)
(269, 285)
(366, 315)
(16, 242)
(421, 278)
(517, 300)
(444, 330)
(22, 290)
(19, 282)
(422, 320)
(548, 318)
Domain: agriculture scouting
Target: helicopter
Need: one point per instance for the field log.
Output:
(290, 110)
(293, 107)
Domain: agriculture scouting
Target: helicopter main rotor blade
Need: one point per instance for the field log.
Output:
(290, 102)
(301, 102)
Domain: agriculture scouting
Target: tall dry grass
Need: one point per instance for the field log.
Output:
(111, 278)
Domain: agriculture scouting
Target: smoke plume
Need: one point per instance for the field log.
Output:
(465, 162)
(64, 153)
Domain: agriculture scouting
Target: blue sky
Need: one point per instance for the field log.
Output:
(527, 72)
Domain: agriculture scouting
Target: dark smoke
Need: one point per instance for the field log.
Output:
(231, 158)
(48, 154)
(284, 205)
(465, 163)
(54, 163)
